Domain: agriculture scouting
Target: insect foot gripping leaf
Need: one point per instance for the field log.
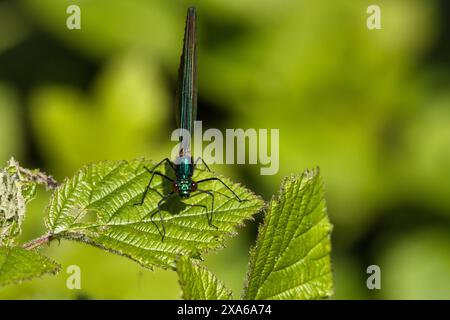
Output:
(17, 188)
(291, 258)
(198, 283)
(98, 206)
(17, 265)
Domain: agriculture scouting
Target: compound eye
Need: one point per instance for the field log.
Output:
(193, 186)
(176, 187)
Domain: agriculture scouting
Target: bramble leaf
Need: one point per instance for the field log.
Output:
(17, 265)
(98, 206)
(198, 283)
(291, 259)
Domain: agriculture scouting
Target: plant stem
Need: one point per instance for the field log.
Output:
(38, 242)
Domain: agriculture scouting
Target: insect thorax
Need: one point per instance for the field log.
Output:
(184, 168)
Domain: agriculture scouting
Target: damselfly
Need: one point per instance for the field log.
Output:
(184, 166)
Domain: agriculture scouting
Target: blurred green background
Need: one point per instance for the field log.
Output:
(371, 108)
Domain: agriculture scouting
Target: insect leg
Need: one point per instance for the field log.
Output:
(158, 211)
(149, 185)
(217, 179)
(204, 163)
(210, 215)
(167, 160)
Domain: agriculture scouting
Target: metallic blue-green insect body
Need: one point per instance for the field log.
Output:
(187, 108)
(184, 164)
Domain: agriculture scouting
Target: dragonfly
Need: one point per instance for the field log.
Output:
(184, 165)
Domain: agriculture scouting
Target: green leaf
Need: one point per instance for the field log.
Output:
(198, 283)
(17, 265)
(291, 258)
(97, 206)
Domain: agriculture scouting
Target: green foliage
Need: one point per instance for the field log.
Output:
(291, 258)
(198, 283)
(10, 133)
(101, 205)
(17, 188)
(417, 265)
(318, 83)
(381, 138)
(104, 35)
(121, 117)
(97, 206)
(12, 208)
(17, 265)
(13, 29)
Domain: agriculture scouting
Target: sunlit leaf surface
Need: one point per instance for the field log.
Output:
(198, 283)
(291, 259)
(98, 206)
(17, 265)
